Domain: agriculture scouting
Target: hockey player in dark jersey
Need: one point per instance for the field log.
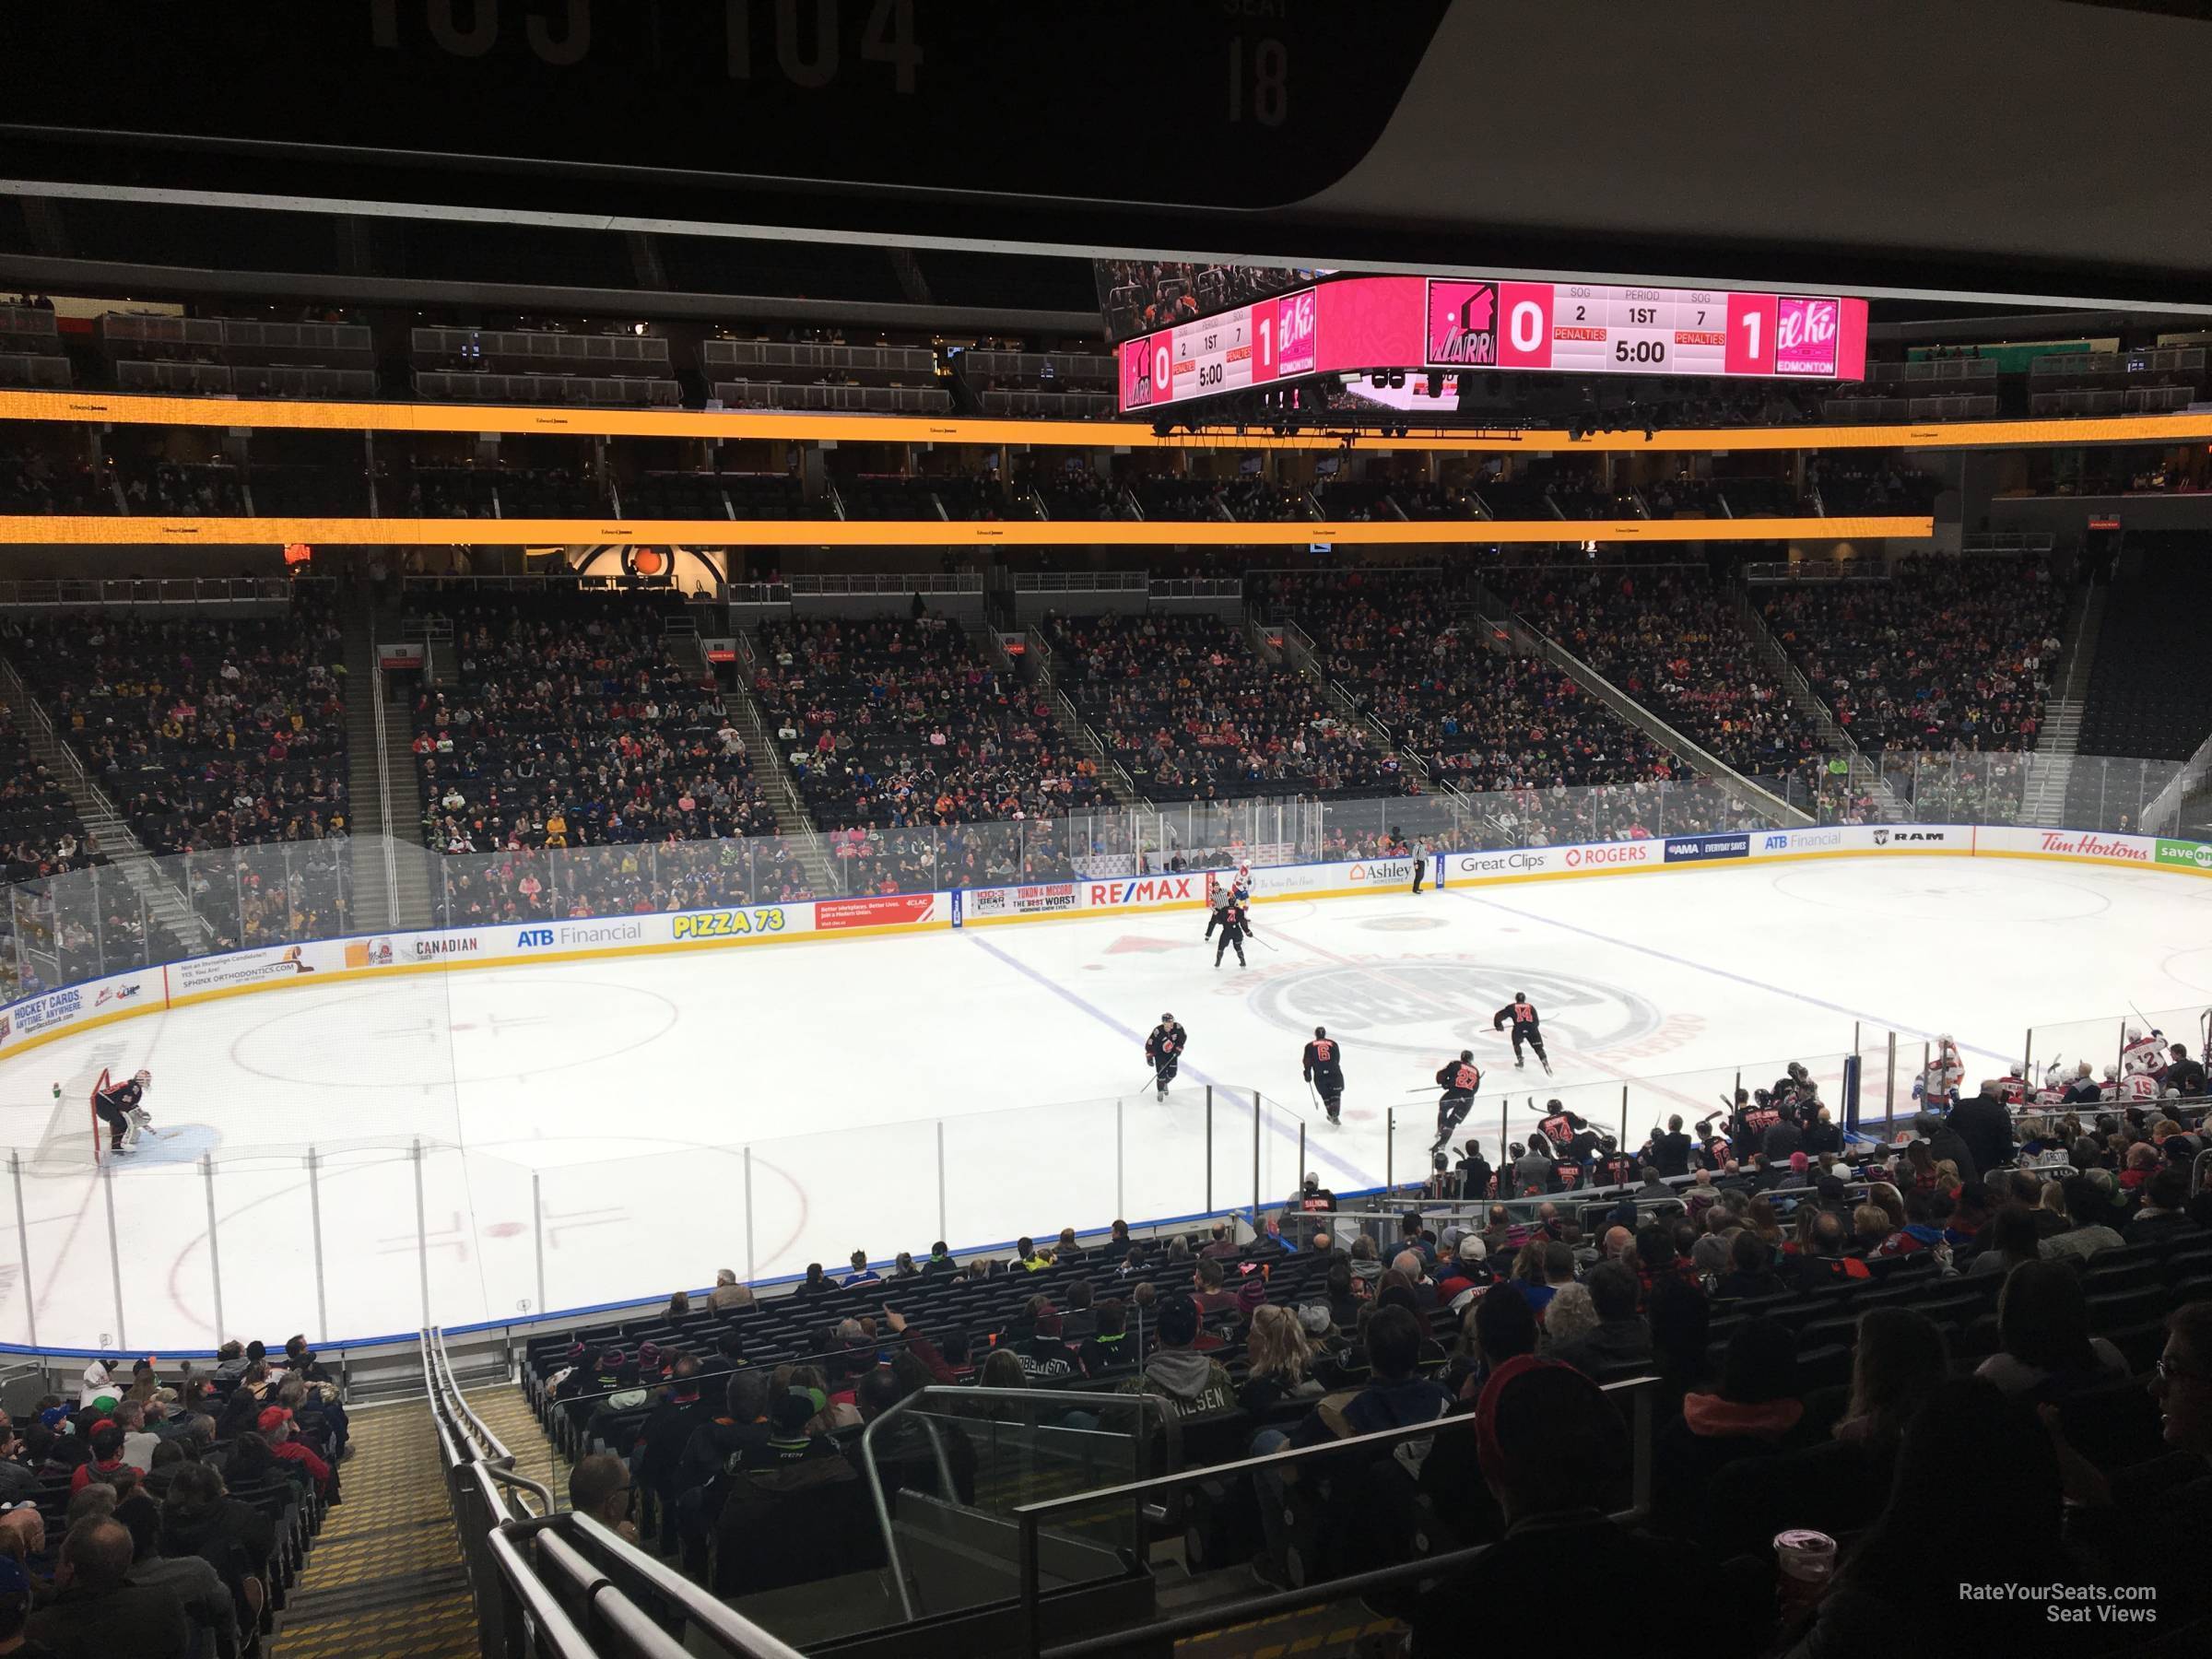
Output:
(1459, 1079)
(1323, 1067)
(1527, 1028)
(1312, 1198)
(1234, 918)
(1615, 1168)
(118, 1108)
(1569, 1131)
(1164, 1049)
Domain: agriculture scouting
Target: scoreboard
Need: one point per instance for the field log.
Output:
(1363, 324)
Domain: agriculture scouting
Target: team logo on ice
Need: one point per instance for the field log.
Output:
(1420, 1002)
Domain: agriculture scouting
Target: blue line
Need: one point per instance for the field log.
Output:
(1314, 1149)
(1664, 956)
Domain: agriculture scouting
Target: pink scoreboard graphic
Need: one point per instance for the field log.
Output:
(1358, 323)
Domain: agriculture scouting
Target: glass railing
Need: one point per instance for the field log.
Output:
(346, 1194)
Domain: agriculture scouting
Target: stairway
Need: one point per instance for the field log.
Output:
(1865, 778)
(2043, 802)
(776, 782)
(385, 798)
(1111, 772)
(385, 1577)
(105, 829)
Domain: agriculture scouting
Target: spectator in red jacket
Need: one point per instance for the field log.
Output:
(276, 1425)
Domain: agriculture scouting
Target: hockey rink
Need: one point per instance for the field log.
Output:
(612, 1130)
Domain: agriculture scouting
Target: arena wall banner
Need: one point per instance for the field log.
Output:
(2183, 854)
(2092, 846)
(1700, 848)
(55, 1013)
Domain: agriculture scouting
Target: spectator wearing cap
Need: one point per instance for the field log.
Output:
(1554, 1454)
(1469, 1271)
(274, 1425)
(98, 1612)
(1191, 1384)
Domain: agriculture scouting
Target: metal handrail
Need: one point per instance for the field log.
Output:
(1050, 1398)
(539, 1603)
(383, 789)
(1030, 1515)
(1636, 714)
(434, 1340)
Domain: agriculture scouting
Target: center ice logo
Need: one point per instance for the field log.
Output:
(1420, 1004)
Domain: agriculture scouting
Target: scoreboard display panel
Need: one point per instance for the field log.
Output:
(1363, 324)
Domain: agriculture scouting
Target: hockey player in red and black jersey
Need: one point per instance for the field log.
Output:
(1569, 1133)
(1164, 1049)
(1312, 1197)
(1562, 1173)
(118, 1108)
(1615, 1168)
(1459, 1079)
(1323, 1066)
(1234, 917)
(1527, 1028)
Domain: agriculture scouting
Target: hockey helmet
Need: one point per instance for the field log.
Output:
(1320, 1030)
(1553, 1104)
(144, 1080)
(2135, 1034)
(1466, 1054)
(1520, 996)
(1797, 1071)
(1437, 1162)
(2019, 1068)
(2111, 1074)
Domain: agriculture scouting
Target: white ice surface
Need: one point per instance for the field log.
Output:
(1010, 1059)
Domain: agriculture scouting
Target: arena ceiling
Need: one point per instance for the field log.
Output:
(2041, 153)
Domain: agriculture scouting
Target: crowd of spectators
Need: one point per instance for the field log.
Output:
(166, 1517)
(1836, 1342)
(894, 723)
(1482, 719)
(1666, 636)
(1077, 492)
(224, 741)
(183, 490)
(571, 730)
(1950, 652)
(1876, 484)
(1192, 713)
(47, 478)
